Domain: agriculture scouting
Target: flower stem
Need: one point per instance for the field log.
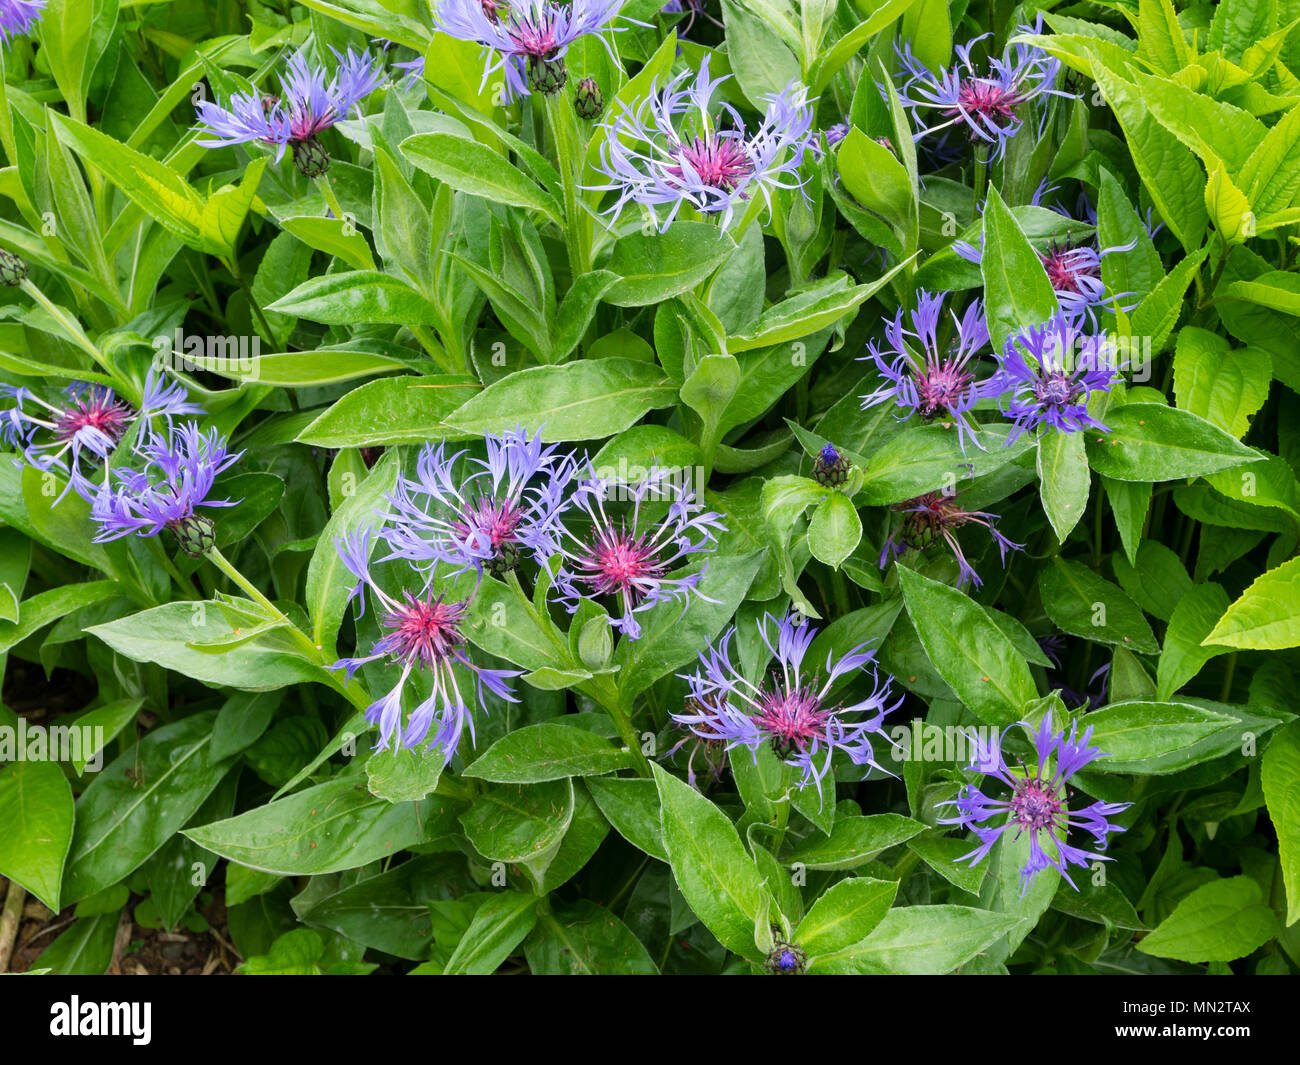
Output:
(562, 121)
(981, 173)
(331, 198)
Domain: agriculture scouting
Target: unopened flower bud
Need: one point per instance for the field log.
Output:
(588, 102)
(13, 270)
(196, 534)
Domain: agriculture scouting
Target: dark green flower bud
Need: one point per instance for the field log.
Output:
(588, 102)
(506, 560)
(785, 959)
(547, 76)
(13, 270)
(311, 158)
(830, 468)
(196, 534)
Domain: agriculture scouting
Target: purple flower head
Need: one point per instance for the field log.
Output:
(986, 103)
(671, 149)
(1037, 803)
(488, 515)
(1047, 374)
(939, 381)
(936, 516)
(85, 426)
(792, 709)
(625, 554)
(310, 103)
(419, 632)
(527, 39)
(17, 17)
(176, 472)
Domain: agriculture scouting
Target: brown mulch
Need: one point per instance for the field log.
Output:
(137, 951)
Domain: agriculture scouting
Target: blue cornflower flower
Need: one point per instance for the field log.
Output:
(792, 710)
(1046, 375)
(17, 17)
(986, 104)
(937, 382)
(311, 103)
(671, 150)
(627, 557)
(177, 471)
(86, 426)
(424, 632)
(527, 39)
(935, 516)
(1037, 803)
(499, 508)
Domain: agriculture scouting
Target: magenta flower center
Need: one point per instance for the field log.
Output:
(941, 387)
(424, 631)
(794, 717)
(498, 520)
(987, 100)
(98, 410)
(1064, 269)
(1035, 805)
(1056, 389)
(621, 562)
(719, 162)
(535, 40)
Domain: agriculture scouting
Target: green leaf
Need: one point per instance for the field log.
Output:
(85, 949)
(971, 653)
(1223, 386)
(762, 62)
(584, 939)
(1267, 614)
(324, 829)
(521, 825)
(500, 924)
(474, 168)
(855, 841)
(845, 914)
(1168, 169)
(138, 802)
(835, 530)
(36, 810)
(1220, 921)
(878, 181)
(1184, 653)
(356, 297)
(632, 806)
(923, 940)
(585, 400)
(718, 879)
(1133, 733)
(404, 774)
(400, 410)
(653, 267)
(1085, 605)
(1281, 781)
(1064, 480)
(548, 751)
(1152, 442)
(1017, 292)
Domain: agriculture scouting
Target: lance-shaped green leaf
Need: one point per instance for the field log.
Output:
(1086, 605)
(922, 940)
(1152, 442)
(548, 751)
(1219, 921)
(474, 168)
(971, 653)
(653, 267)
(1017, 292)
(1281, 781)
(718, 879)
(361, 296)
(845, 914)
(36, 810)
(835, 530)
(1267, 614)
(1064, 480)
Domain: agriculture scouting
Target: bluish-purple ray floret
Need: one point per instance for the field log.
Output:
(936, 516)
(1047, 374)
(424, 632)
(988, 102)
(84, 427)
(174, 474)
(17, 17)
(626, 554)
(480, 513)
(793, 708)
(526, 40)
(310, 102)
(1037, 803)
(926, 378)
(674, 149)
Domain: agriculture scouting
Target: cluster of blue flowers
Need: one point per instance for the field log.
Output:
(596, 537)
